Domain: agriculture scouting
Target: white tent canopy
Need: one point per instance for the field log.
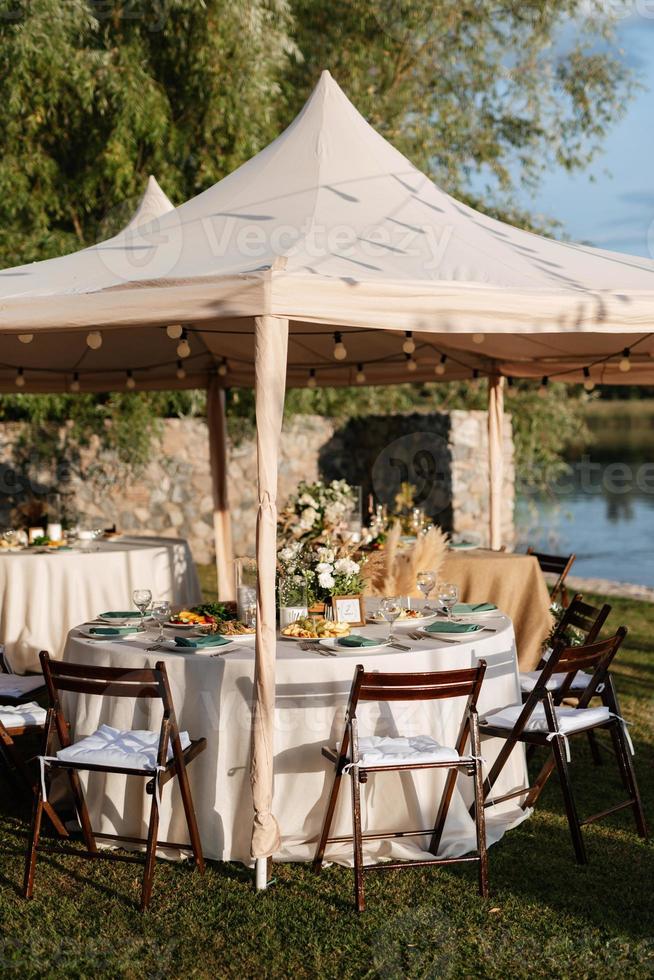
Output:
(328, 230)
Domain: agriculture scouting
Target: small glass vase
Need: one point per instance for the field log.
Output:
(246, 590)
(293, 599)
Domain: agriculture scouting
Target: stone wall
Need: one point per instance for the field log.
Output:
(444, 455)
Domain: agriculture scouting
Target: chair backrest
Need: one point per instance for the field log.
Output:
(595, 657)
(558, 565)
(430, 686)
(581, 615)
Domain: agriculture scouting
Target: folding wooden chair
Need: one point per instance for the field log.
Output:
(358, 757)
(558, 565)
(158, 759)
(541, 721)
(589, 620)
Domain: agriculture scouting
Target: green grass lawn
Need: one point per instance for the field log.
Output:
(546, 917)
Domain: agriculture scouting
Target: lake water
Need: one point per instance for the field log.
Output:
(603, 510)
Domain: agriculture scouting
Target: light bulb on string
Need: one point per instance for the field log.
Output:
(94, 339)
(26, 338)
(130, 381)
(625, 363)
(440, 366)
(589, 384)
(360, 375)
(409, 344)
(222, 368)
(183, 347)
(542, 390)
(411, 364)
(74, 385)
(478, 338)
(174, 330)
(20, 378)
(340, 350)
(311, 380)
(180, 372)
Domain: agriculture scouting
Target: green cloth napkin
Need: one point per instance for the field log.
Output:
(354, 640)
(113, 630)
(212, 640)
(460, 544)
(452, 628)
(116, 614)
(466, 608)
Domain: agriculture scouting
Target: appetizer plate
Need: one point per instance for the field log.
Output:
(114, 638)
(410, 622)
(333, 644)
(239, 637)
(169, 644)
(457, 637)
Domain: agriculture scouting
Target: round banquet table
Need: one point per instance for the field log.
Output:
(44, 595)
(213, 697)
(515, 583)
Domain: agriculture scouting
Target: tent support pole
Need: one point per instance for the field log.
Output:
(270, 357)
(222, 519)
(495, 458)
(261, 874)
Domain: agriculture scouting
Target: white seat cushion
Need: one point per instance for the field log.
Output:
(17, 686)
(569, 719)
(528, 680)
(377, 750)
(18, 715)
(111, 747)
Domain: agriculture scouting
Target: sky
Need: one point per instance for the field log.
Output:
(616, 209)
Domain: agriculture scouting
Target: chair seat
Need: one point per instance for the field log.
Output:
(118, 749)
(377, 750)
(16, 686)
(569, 719)
(22, 715)
(529, 678)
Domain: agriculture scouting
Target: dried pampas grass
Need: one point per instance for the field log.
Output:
(393, 571)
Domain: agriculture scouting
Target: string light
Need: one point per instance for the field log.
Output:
(542, 391)
(174, 330)
(625, 363)
(74, 385)
(411, 364)
(181, 373)
(340, 350)
(20, 378)
(589, 384)
(26, 338)
(409, 344)
(222, 368)
(130, 381)
(94, 339)
(183, 347)
(311, 380)
(478, 338)
(440, 367)
(361, 374)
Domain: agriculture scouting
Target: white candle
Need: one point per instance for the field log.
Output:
(35, 532)
(54, 532)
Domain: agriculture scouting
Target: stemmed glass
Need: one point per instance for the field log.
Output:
(160, 612)
(426, 581)
(390, 608)
(448, 596)
(11, 537)
(142, 599)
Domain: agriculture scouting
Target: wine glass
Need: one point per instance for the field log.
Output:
(448, 596)
(390, 608)
(11, 537)
(426, 581)
(160, 612)
(142, 599)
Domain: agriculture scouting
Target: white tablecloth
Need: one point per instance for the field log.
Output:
(43, 596)
(212, 696)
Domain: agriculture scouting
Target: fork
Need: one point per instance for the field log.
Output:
(314, 648)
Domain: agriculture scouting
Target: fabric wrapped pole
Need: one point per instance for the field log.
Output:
(270, 355)
(495, 457)
(222, 520)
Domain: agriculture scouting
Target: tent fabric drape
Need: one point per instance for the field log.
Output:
(222, 521)
(495, 457)
(270, 347)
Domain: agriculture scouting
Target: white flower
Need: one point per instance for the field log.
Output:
(307, 500)
(324, 566)
(287, 554)
(308, 518)
(326, 554)
(334, 512)
(345, 566)
(326, 580)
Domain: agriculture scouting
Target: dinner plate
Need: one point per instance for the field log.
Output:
(332, 643)
(240, 637)
(409, 623)
(451, 636)
(181, 626)
(116, 637)
(169, 644)
(131, 619)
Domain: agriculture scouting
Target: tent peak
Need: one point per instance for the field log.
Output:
(153, 204)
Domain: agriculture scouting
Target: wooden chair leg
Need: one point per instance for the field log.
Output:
(327, 822)
(539, 783)
(150, 852)
(82, 811)
(443, 808)
(191, 820)
(625, 762)
(30, 857)
(594, 748)
(480, 812)
(558, 751)
(359, 896)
